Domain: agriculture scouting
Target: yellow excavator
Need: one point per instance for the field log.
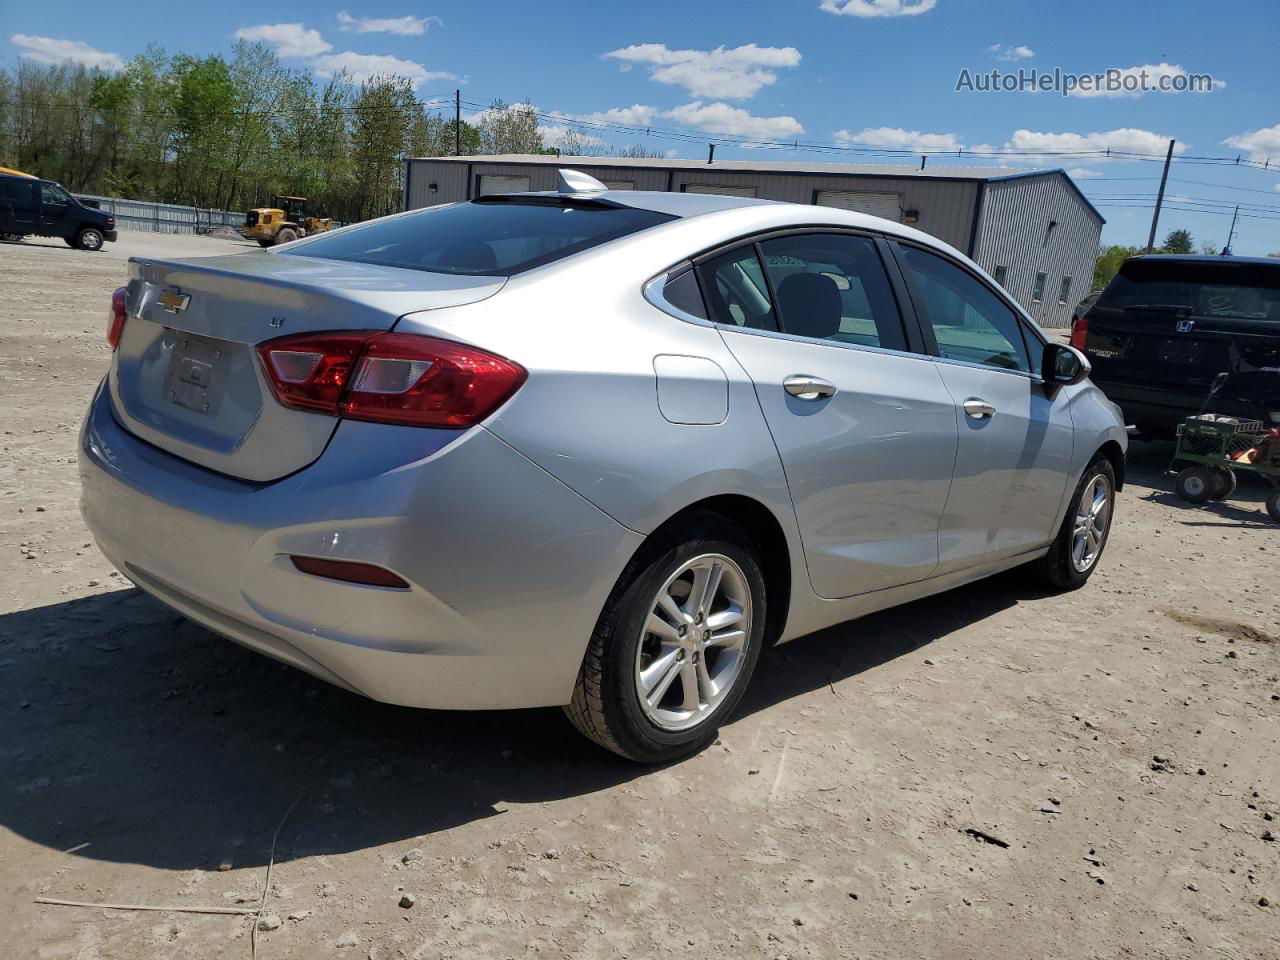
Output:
(287, 220)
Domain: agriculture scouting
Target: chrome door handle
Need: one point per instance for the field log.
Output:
(805, 387)
(979, 409)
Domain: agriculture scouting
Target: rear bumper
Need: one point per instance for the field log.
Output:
(508, 568)
(1162, 410)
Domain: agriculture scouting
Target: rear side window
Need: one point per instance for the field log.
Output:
(485, 239)
(833, 287)
(1238, 290)
(735, 289)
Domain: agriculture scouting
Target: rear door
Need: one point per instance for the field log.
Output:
(20, 204)
(1172, 325)
(1015, 440)
(865, 428)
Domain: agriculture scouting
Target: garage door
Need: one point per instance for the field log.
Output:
(885, 205)
(724, 190)
(491, 183)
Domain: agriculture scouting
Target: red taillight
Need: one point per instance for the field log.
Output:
(1080, 331)
(115, 319)
(349, 571)
(389, 377)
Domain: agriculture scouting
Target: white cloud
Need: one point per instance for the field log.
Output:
(1263, 145)
(361, 66)
(898, 139)
(878, 8)
(404, 26)
(1123, 139)
(1083, 173)
(288, 39)
(636, 115)
(733, 121)
(734, 73)
(1148, 78)
(1004, 52)
(50, 50)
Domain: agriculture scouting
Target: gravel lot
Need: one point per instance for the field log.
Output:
(975, 775)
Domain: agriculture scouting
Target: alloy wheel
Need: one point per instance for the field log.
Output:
(1093, 519)
(693, 642)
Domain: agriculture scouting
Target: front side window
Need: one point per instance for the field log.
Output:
(734, 288)
(53, 195)
(969, 322)
(833, 287)
(480, 238)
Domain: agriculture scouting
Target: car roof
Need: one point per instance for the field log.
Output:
(672, 204)
(1205, 259)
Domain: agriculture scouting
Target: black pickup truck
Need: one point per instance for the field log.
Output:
(1168, 326)
(33, 207)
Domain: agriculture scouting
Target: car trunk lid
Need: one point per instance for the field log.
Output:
(186, 376)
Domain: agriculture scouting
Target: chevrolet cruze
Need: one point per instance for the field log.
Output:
(584, 448)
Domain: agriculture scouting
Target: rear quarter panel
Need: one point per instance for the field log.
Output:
(589, 413)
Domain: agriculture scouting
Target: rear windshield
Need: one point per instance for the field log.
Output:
(1243, 290)
(485, 238)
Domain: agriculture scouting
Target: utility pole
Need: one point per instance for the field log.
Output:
(1155, 217)
(457, 123)
(1226, 251)
(711, 152)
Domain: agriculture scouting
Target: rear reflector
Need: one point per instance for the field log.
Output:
(115, 319)
(389, 377)
(365, 573)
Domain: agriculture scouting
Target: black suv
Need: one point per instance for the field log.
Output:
(1167, 327)
(42, 208)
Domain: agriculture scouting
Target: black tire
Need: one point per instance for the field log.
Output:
(1273, 504)
(1056, 569)
(606, 705)
(90, 238)
(1224, 483)
(1195, 484)
(286, 235)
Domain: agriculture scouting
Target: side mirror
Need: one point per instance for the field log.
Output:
(1063, 366)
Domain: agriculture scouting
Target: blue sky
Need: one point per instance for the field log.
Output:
(869, 74)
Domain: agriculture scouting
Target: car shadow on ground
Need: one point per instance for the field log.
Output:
(135, 736)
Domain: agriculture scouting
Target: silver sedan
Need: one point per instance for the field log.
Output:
(584, 448)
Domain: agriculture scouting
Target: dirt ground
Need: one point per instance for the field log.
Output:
(974, 775)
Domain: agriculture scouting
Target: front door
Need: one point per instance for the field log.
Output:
(56, 207)
(1016, 438)
(866, 430)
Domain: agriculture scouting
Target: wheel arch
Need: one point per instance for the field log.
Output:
(1115, 455)
(766, 532)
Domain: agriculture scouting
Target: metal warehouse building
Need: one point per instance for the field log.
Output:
(1033, 230)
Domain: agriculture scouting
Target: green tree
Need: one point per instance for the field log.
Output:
(1178, 241)
(510, 129)
(1108, 263)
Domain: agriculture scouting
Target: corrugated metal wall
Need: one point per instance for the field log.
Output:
(1014, 232)
(945, 206)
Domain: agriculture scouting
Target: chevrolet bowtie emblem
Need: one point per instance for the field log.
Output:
(174, 301)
